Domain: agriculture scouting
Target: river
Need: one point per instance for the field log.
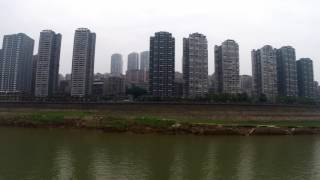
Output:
(80, 154)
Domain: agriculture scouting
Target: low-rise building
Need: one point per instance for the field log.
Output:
(246, 84)
(114, 86)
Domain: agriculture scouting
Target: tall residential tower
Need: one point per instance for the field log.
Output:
(144, 60)
(195, 65)
(47, 73)
(16, 64)
(227, 67)
(133, 61)
(83, 62)
(305, 77)
(264, 71)
(287, 71)
(162, 64)
(116, 65)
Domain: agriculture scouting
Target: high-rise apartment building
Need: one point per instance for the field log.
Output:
(83, 62)
(227, 67)
(287, 71)
(116, 65)
(162, 64)
(144, 60)
(16, 64)
(1, 60)
(47, 74)
(264, 72)
(195, 65)
(305, 77)
(1, 56)
(133, 61)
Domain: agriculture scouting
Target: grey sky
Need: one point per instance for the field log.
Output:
(124, 26)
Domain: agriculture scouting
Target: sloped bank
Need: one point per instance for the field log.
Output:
(149, 125)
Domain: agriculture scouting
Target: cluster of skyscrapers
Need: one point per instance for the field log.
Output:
(275, 72)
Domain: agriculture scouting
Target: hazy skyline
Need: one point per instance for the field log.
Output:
(125, 26)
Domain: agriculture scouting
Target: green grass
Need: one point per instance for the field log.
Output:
(115, 122)
(114, 119)
(51, 117)
(155, 122)
(261, 123)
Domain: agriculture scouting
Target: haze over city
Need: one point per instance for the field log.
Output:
(160, 89)
(125, 26)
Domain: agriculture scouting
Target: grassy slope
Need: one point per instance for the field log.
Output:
(122, 116)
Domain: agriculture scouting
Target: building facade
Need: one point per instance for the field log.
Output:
(287, 71)
(305, 77)
(47, 74)
(227, 67)
(16, 64)
(264, 72)
(1, 65)
(246, 84)
(137, 76)
(133, 61)
(195, 65)
(97, 88)
(316, 91)
(34, 72)
(178, 85)
(114, 86)
(116, 65)
(83, 62)
(145, 61)
(162, 64)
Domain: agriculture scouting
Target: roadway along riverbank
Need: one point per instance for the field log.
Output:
(198, 119)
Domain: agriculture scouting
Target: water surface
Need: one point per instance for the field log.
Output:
(78, 154)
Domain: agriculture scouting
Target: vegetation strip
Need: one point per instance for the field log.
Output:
(149, 124)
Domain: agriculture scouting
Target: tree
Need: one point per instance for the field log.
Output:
(136, 91)
(263, 98)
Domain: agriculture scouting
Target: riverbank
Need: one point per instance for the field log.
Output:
(170, 119)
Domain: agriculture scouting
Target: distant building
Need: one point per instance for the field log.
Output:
(137, 76)
(246, 84)
(98, 88)
(16, 64)
(264, 71)
(68, 77)
(116, 65)
(47, 75)
(34, 72)
(305, 78)
(65, 87)
(99, 77)
(316, 91)
(61, 77)
(1, 62)
(162, 64)
(178, 85)
(1, 55)
(114, 86)
(133, 61)
(287, 71)
(227, 67)
(83, 62)
(212, 84)
(195, 65)
(144, 61)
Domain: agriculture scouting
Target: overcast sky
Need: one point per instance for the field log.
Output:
(124, 26)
